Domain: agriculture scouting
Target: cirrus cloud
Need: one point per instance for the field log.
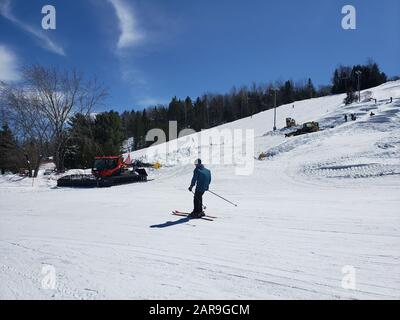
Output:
(130, 35)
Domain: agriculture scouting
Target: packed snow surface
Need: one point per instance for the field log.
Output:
(317, 218)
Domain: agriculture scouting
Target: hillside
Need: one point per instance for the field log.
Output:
(317, 203)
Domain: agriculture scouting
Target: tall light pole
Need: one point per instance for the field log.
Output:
(358, 72)
(275, 90)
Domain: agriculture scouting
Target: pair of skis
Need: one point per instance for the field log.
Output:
(186, 214)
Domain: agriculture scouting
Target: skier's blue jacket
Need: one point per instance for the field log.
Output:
(201, 178)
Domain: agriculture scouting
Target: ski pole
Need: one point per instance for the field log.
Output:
(222, 198)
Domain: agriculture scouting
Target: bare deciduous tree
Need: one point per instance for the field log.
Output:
(43, 103)
(31, 127)
(61, 95)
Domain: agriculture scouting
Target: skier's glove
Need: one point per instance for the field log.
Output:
(190, 188)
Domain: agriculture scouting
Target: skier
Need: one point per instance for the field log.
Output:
(345, 117)
(201, 179)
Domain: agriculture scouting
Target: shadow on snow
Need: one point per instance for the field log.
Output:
(171, 223)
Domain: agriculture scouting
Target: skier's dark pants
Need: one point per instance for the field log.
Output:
(198, 202)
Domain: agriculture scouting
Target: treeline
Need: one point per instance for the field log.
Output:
(345, 78)
(50, 114)
(211, 110)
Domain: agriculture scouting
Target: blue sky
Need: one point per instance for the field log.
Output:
(147, 51)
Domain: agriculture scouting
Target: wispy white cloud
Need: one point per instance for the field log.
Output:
(130, 35)
(150, 101)
(133, 35)
(5, 11)
(8, 65)
(132, 75)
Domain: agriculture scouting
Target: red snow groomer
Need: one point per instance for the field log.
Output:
(106, 172)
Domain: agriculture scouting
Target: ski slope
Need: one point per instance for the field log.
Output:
(316, 204)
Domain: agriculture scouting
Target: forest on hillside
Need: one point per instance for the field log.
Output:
(51, 113)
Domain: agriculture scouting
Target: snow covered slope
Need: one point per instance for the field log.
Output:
(318, 205)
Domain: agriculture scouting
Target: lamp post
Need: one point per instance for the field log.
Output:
(358, 72)
(275, 90)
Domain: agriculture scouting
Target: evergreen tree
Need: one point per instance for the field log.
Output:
(173, 110)
(311, 88)
(8, 150)
(108, 133)
(82, 148)
(188, 105)
(287, 92)
(199, 121)
(336, 83)
(350, 97)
